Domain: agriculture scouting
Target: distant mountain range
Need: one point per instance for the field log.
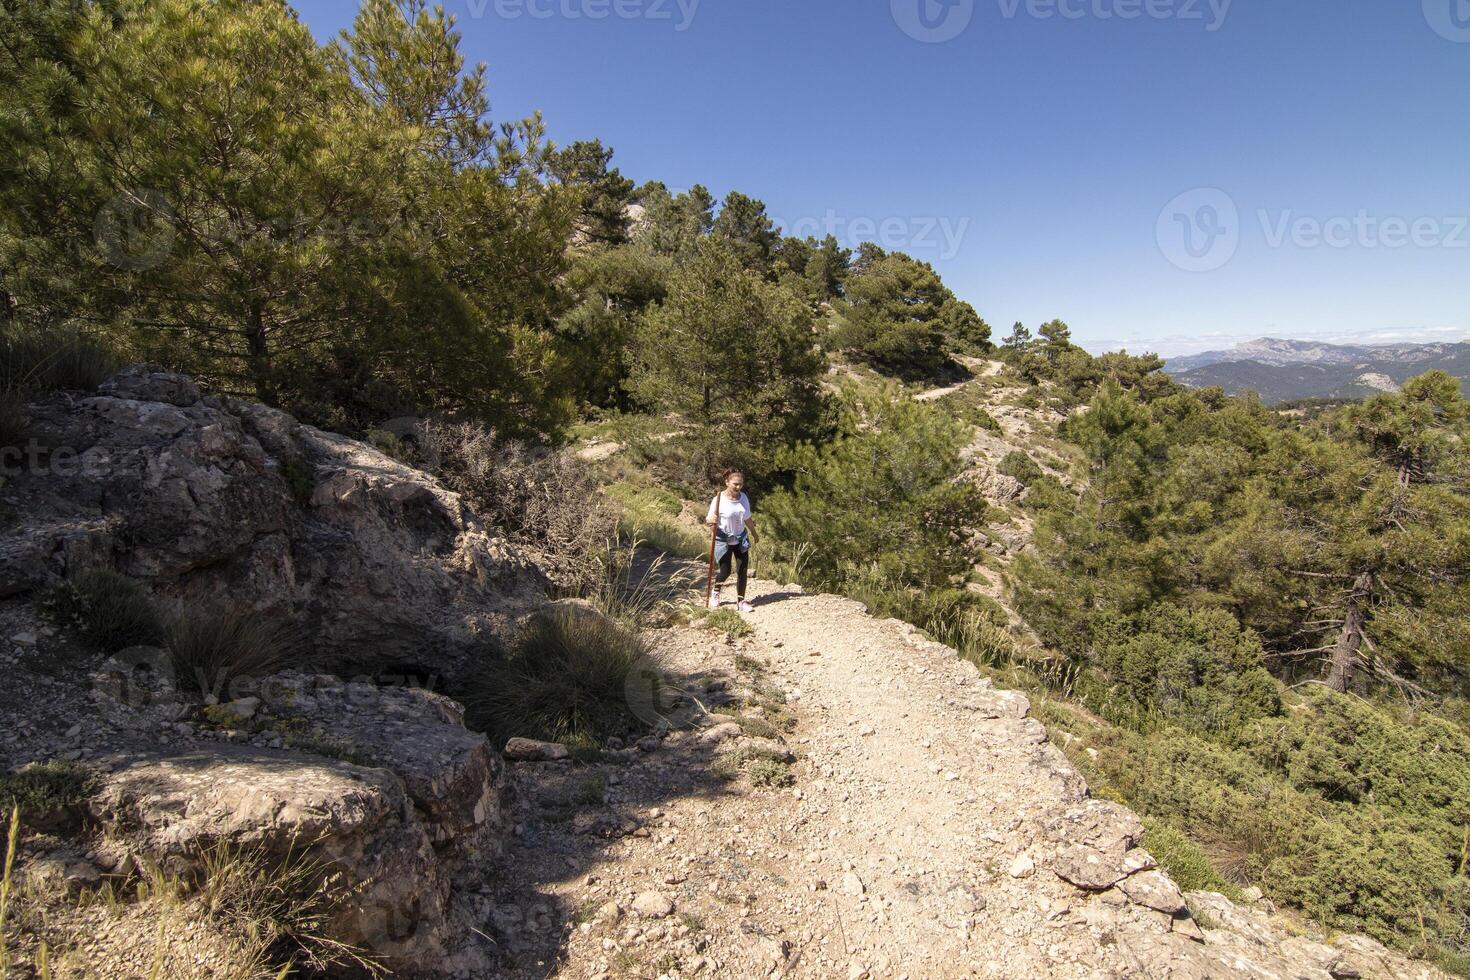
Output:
(1285, 370)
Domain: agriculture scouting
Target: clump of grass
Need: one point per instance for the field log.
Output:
(728, 621)
(111, 612)
(12, 841)
(565, 678)
(288, 903)
(49, 358)
(1185, 861)
(44, 788)
(210, 648)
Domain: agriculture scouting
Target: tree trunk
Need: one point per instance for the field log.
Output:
(1350, 639)
(258, 354)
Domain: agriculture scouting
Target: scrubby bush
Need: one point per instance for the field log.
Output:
(1020, 466)
(538, 497)
(110, 611)
(729, 622)
(212, 648)
(1198, 668)
(44, 788)
(564, 678)
(882, 503)
(1185, 861)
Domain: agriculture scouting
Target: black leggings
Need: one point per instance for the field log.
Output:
(742, 564)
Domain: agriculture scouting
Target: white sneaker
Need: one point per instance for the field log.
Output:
(714, 601)
(745, 607)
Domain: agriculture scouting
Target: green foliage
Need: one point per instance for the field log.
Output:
(109, 611)
(212, 648)
(744, 226)
(729, 622)
(881, 501)
(610, 288)
(646, 499)
(1198, 669)
(35, 358)
(335, 220)
(732, 357)
(1185, 861)
(564, 678)
(604, 193)
(901, 318)
(1020, 466)
(44, 788)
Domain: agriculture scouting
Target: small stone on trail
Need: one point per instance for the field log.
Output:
(1023, 866)
(530, 750)
(852, 884)
(653, 905)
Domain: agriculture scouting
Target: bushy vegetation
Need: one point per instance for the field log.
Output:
(881, 504)
(109, 611)
(901, 318)
(1264, 618)
(537, 496)
(211, 648)
(43, 789)
(564, 678)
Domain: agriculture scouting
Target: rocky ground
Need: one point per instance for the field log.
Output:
(929, 830)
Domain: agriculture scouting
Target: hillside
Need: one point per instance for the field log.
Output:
(1285, 370)
(810, 791)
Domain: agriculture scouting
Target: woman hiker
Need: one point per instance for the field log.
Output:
(732, 528)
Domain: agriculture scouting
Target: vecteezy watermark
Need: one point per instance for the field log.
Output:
(135, 230)
(679, 13)
(1201, 230)
(940, 236)
(1449, 18)
(661, 700)
(936, 21)
(1210, 13)
(933, 21)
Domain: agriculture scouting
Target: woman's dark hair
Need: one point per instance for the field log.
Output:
(729, 473)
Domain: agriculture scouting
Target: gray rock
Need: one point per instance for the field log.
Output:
(653, 905)
(530, 750)
(223, 502)
(1154, 890)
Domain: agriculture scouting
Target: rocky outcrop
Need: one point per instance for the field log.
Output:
(383, 789)
(211, 500)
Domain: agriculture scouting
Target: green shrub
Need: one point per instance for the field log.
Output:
(1200, 668)
(565, 678)
(1020, 466)
(764, 766)
(393, 446)
(44, 788)
(1185, 861)
(646, 501)
(212, 648)
(729, 622)
(111, 612)
(769, 774)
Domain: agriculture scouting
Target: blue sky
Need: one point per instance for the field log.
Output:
(1169, 175)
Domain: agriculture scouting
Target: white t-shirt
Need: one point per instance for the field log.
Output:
(732, 515)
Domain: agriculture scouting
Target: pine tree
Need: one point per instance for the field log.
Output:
(731, 356)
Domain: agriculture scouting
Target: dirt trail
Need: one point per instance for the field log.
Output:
(932, 831)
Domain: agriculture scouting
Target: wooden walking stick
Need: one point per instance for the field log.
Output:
(714, 533)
